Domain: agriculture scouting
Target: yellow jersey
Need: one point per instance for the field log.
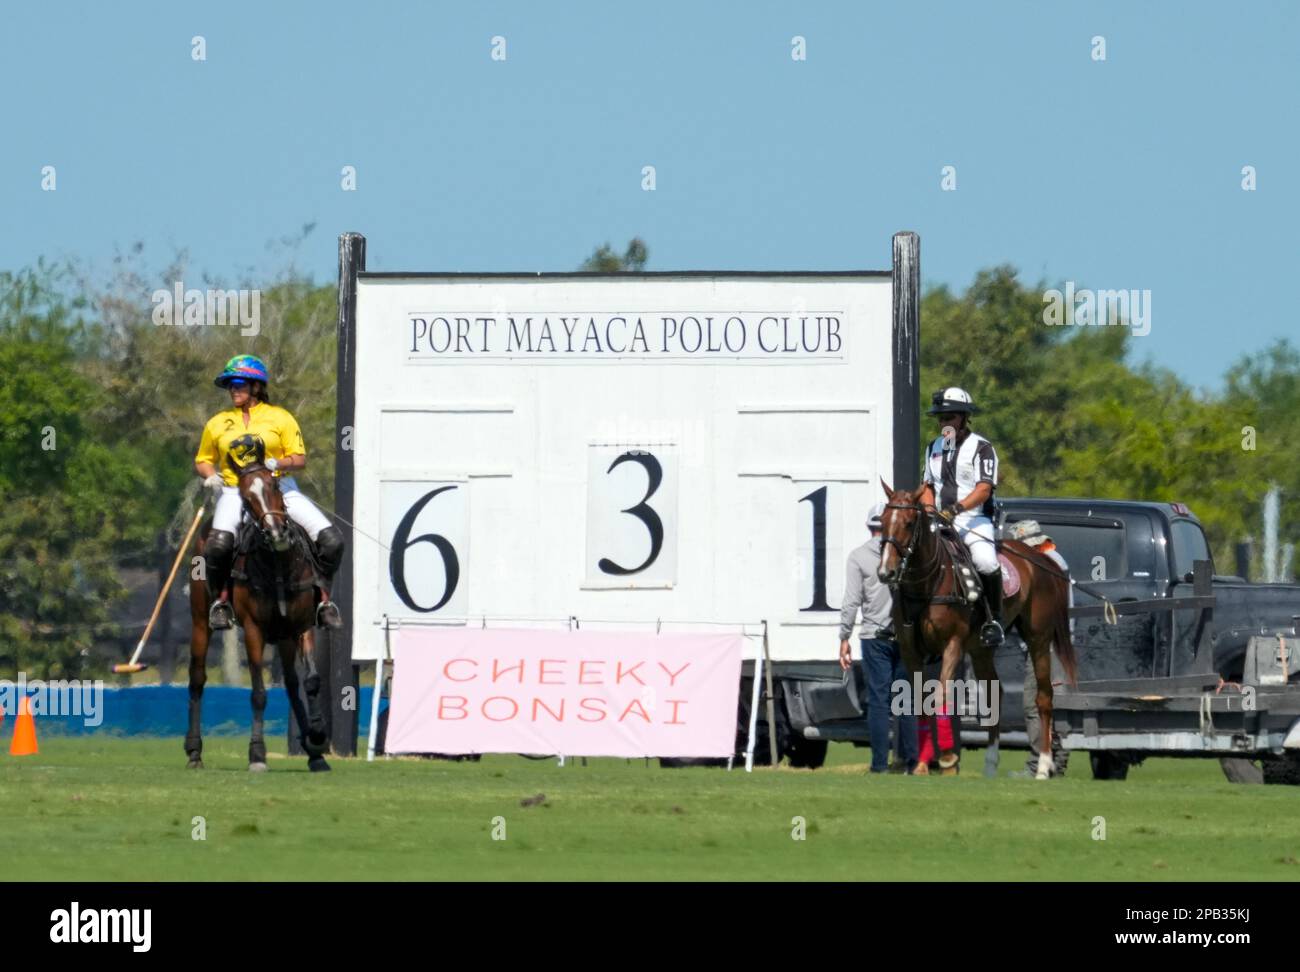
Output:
(227, 435)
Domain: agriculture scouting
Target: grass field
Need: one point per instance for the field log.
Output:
(122, 809)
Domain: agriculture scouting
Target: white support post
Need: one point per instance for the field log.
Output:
(771, 703)
(753, 712)
(374, 710)
(374, 698)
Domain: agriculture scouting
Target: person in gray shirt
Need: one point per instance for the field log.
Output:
(881, 659)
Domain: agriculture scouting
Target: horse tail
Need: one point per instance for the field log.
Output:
(1064, 644)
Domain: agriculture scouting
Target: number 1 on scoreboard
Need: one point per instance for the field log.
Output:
(819, 546)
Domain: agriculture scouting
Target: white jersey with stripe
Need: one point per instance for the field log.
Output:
(955, 474)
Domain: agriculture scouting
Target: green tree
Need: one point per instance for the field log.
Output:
(1262, 398)
(159, 379)
(604, 260)
(1024, 375)
(123, 401)
(72, 495)
(1071, 417)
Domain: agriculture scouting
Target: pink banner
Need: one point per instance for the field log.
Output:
(574, 693)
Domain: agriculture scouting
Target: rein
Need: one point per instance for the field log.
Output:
(905, 556)
(281, 561)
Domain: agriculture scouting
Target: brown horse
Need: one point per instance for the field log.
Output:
(274, 601)
(933, 615)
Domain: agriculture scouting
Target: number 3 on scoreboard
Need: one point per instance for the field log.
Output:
(631, 516)
(426, 528)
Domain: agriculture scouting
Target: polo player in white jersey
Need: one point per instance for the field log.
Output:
(961, 473)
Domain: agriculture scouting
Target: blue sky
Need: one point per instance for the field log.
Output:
(1121, 174)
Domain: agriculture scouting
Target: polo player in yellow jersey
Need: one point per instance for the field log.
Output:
(235, 431)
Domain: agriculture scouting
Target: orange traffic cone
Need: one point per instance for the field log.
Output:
(24, 743)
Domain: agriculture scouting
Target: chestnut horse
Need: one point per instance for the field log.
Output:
(934, 617)
(273, 583)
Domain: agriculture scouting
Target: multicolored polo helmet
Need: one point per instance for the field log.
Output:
(248, 367)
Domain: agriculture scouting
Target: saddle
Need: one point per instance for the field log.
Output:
(967, 578)
(258, 572)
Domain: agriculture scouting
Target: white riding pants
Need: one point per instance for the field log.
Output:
(976, 531)
(301, 510)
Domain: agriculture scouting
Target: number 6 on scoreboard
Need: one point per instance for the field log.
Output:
(426, 529)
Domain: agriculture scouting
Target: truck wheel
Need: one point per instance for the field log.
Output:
(1238, 769)
(1283, 769)
(1108, 766)
(806, 753)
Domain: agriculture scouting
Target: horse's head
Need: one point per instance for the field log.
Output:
(260, 492)
(900, 527)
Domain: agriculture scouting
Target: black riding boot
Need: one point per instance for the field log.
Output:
(329, 548)
(219, 552)
(991, 633)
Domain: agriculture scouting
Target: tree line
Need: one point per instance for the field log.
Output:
(100, 413)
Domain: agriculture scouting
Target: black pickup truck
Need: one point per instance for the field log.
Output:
(1216, 678)
(1150, 678)
(1126, 551)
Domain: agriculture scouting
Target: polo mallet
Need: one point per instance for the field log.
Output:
(135, 665)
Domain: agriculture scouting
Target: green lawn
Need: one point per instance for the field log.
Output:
(110, 809)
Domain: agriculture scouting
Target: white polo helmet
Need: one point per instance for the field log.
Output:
(951, 400)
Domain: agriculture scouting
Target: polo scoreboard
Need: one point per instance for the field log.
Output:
(693, 448)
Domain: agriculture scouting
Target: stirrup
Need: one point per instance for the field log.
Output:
(991, 634)
(327, 615)
(221, 617)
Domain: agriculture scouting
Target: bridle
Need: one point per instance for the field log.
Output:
(905, 555)
(253, 515)
(281, 552)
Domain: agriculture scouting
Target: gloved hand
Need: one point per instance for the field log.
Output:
(949, 515)
(214, 481)
(272, 463)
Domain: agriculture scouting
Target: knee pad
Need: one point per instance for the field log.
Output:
(329, 544)
(219, 548)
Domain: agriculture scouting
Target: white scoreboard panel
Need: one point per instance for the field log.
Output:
(632, 448)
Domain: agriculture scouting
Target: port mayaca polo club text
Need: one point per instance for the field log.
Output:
(745, 335)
